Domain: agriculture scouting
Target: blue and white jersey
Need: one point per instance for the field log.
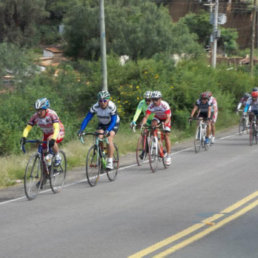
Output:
(104, 115)
(251, 105)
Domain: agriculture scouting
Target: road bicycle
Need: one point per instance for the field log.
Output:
(96, 159)
(243, 124)
(40, 168)
(253, 131)
(156, 151)
(142, 146)
(200, 135)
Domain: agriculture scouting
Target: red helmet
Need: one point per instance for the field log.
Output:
(205, 95)
(255, 94)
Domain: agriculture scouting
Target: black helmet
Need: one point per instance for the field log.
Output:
(255, 89)
(247, 95)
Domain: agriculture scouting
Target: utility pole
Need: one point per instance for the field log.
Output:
(215, 34)
(103, 46)
(253, 38)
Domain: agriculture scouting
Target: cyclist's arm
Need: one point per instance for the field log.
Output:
(239, 106)
(112, 123)
(86, 120)
(138, 112)
(246, 107)
(26, 131)
(144, 120)
(209, 112)
(56, 130)
(168, 114)
(194, 110)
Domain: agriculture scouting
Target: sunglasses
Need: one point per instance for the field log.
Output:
(155, 100)
(148, 100)
(103, 100)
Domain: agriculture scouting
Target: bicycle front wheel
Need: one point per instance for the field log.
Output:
(153, 153)
(252, 135)
(58, 174)
(93, 166)
(112, 174)
(141, 150)
(197, 140)
(33, 177)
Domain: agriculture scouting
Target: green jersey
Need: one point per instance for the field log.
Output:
(142, 107)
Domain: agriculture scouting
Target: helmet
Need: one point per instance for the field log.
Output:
(247, 95)
(255, 94)
(42, 103)
(156, 94)
(147, 94)
(255, 89)
(205, 95)
(209, 93)
(103, 95)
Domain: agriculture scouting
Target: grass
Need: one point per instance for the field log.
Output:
(13, 166)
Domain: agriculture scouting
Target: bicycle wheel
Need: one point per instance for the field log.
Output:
(93, 166)
(252, 135)
(242, 126)
(161, 150)
(33, 177)
(58, 173)
(197, 140)
(153, 153)
(111, 174)
(141, 150)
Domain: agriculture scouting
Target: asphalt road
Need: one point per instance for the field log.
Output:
(204, 205)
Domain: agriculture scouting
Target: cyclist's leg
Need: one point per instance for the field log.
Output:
(167, 129)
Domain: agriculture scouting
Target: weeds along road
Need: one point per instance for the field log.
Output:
(203, 205)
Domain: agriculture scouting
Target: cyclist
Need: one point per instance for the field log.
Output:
(49, 122)
(108, 121)
(203, 106)
(242, 101)
(252, 106)
(214, 111)
(142, 107)
(162, 113)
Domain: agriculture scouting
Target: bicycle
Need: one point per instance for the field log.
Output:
(243, 124)
(253, 131)
(96, 159)
(156, 152)
(142, 145)
(39, 170)
(200, 135)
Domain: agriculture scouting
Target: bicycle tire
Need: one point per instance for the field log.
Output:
(251, 135)
(93, 166)
(140, 151)
(197, 140)
(153, 153)
(33, 177)
(112, 174)
(58, 173)
(161, 150)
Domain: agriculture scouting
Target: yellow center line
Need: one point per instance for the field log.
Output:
(207, 231)
(193, 228)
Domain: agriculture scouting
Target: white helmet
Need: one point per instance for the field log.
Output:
(156, 95)
(147, 94)
(42, 103)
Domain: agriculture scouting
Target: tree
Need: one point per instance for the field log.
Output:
(139, 29)
(18, 20)
(228, 40)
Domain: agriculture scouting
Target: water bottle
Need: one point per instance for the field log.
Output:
(48, 159)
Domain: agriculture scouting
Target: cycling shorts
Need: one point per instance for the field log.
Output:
(167, 127)
(105, 127)
(58, 140)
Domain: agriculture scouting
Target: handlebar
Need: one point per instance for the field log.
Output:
(96, 134)
(34, 141)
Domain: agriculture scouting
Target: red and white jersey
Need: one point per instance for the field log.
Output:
(160, 111)
(214, 103)
(46, 123)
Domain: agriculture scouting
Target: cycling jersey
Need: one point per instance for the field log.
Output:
(142, 107)
(242, 102)
(161, 111)
(214, 108)
(203, 107)
(46, 123)
(251, 106)
(106, 116)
